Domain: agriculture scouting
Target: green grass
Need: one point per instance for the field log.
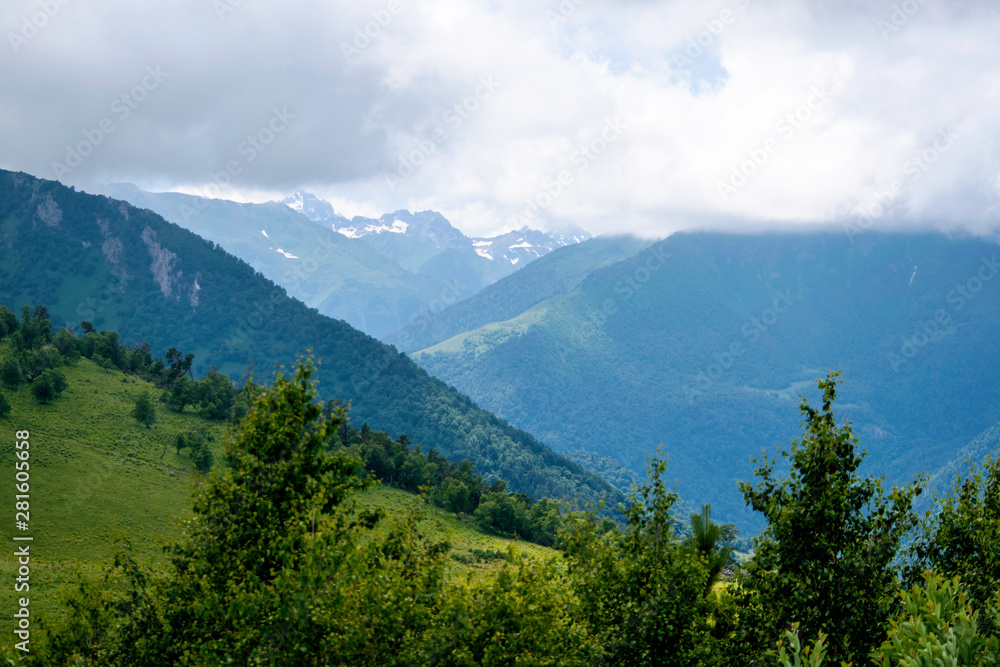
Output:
(98, 476)
(457, 530)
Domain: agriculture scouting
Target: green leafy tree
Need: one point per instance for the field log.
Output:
(544, 522)
(938, 626)
(35, 329)
(641, 592)
(203, 458)
(144, 411)
(961, 536)
(216, 395)
(67, 344)
(825, 560)
(184, 392)
(34, 362)
(47, 386)
(5, 406)
(10, 374)
(525, 615)
(8, 322)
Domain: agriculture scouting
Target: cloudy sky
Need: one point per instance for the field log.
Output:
(628, 115)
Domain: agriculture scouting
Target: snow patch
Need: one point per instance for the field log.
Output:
(521, 245)
(287, 254)
(484, 253)
(515, 260)
(397, 227)
(914, 273)
(265, 234)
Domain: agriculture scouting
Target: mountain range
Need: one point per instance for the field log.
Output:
(122, 268)
(603, 349)
(705, 343)
(356, 270)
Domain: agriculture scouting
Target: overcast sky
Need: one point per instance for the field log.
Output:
(640, 116)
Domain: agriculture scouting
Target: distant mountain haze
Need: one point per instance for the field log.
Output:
(704, 342)
(88, 257)
(377, 275)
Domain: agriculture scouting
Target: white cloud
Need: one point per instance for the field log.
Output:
(689, 122)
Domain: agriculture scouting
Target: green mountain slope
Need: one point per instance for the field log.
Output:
(341, 277)
(93, 258)
(98, 476)
(556, 273)
(703, 342)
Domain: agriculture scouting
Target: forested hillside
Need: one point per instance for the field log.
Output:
(556, 273)
(96, 259)
(105, 472)
(340, 277)
(279, 565)
(703, 342)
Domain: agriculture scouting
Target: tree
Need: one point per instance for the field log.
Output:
(8, 322)
(5, 407)
(216, 395)
(10, 374)
(47, 386)
(962, 536)
(179, 365)
(825, 560)
(67, 344)
(184, 392)
(640, 591)
(704, 540)
(34, 331)
(144, 411)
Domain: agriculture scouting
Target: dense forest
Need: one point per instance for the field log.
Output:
(35, 355)
(91, 258)
(279, 566)
(704, 341)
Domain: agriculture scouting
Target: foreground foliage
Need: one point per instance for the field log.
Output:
(278, 566)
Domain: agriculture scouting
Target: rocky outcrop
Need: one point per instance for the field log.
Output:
(49, 212)
(163, 262)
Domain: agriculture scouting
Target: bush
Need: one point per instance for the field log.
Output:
(144, 411)
(10, 374)
(47, 386)
(937, 626)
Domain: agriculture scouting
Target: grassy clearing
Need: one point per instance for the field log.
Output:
(98, 476)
